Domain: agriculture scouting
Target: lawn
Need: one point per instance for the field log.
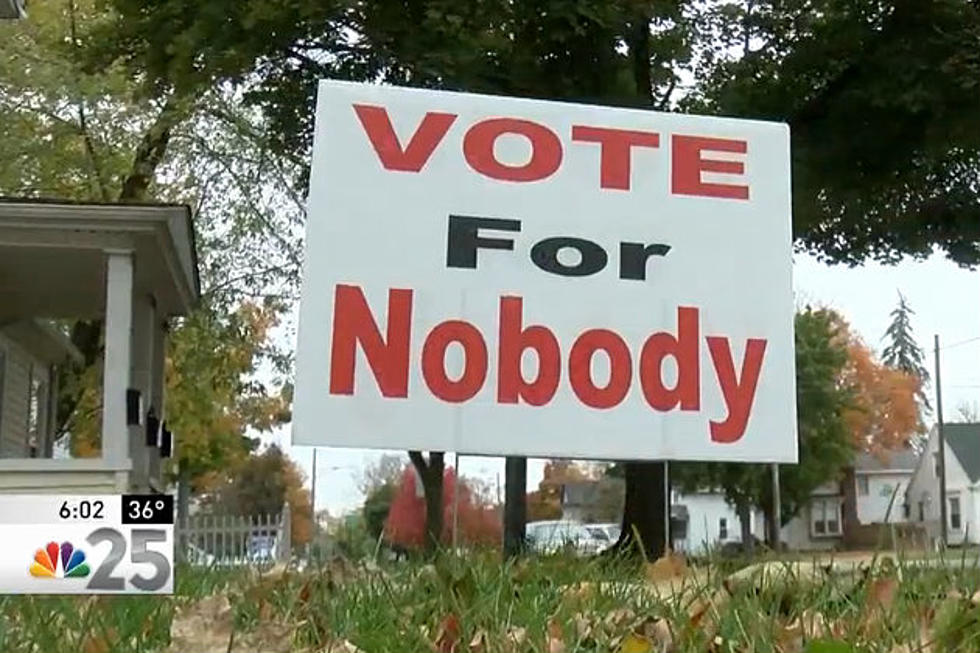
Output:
(552, 605)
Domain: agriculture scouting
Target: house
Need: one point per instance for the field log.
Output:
(878, 478)
(591, 502)
(848, 512)
(129, 268)
(702, 521)
(962, 484)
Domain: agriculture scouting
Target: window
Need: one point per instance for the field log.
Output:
(825, 517)
(935, 464)
(955, 518)
(906, 511)
(863, 488)
(722, 529)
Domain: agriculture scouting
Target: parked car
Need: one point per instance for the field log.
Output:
(559, 535)
(608, 531)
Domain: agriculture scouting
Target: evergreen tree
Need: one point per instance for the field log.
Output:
(903, 352)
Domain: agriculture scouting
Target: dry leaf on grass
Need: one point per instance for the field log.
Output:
(633, 643)
(881, 594)
(672, 565)
(341, 647)
(516, 636)
(448, 634)
(658, 631)
(479, 642)
(583, 626)
(202, 627)
(206, 626)
(101, 642)
(555, 637)
(619, 617)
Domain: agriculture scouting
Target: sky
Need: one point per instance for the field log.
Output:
(943, 296)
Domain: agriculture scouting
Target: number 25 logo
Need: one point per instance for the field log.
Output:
(103, 579)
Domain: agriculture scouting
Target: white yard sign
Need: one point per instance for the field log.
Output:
(502, 276)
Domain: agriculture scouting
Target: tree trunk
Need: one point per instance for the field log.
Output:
(638, 43)
(744, 511)
(515, 506)
(645, 511)
(770, 523)
(430, 473)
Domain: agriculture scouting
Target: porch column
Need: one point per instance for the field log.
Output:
(141, 379)
(115, 377)
(157, 395)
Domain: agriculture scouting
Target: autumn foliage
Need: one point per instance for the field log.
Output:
(885, 412)
(545, 502)
(479, 523)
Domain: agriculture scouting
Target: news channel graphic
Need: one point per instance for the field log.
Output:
(99, 544)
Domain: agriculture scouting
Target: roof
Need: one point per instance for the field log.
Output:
(964, 441)
(42, 340)
(896, 460)
(67, 238)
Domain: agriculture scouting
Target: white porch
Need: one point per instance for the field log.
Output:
(132, 267)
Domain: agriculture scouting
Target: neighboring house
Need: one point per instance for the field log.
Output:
(593, 502)
(962, 484)
(702, 521)
(877, 479)
(819, 524)
(130, 268)
(823, 523)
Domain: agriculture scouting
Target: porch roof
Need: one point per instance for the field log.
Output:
(52, 256)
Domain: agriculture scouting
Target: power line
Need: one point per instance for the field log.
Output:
(961, 342)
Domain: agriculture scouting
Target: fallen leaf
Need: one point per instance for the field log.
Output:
(202, 627)
(658, 631)
(516, 636)
(583, 626)
(633, 643)
(789, 638)
(619, 617)
(448, 634)
(671, 565)
(479, 642)
(342, 647)
(555, 637)
(881, 594)
(100, 643)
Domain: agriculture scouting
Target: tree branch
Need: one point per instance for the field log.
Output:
(152, 148)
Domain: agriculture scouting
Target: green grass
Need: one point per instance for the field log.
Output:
(399, 608)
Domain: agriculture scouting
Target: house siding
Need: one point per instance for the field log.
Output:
(705, 512)
(873, 507)
(924, 488)
(13, 415)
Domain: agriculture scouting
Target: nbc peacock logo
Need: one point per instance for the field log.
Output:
(73, 563)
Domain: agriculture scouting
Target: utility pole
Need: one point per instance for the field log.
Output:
(313, 490)
(942, 451)
(456, 486)
(776, 509)
(668, 541)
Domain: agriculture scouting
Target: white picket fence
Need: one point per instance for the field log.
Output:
(233, 540)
